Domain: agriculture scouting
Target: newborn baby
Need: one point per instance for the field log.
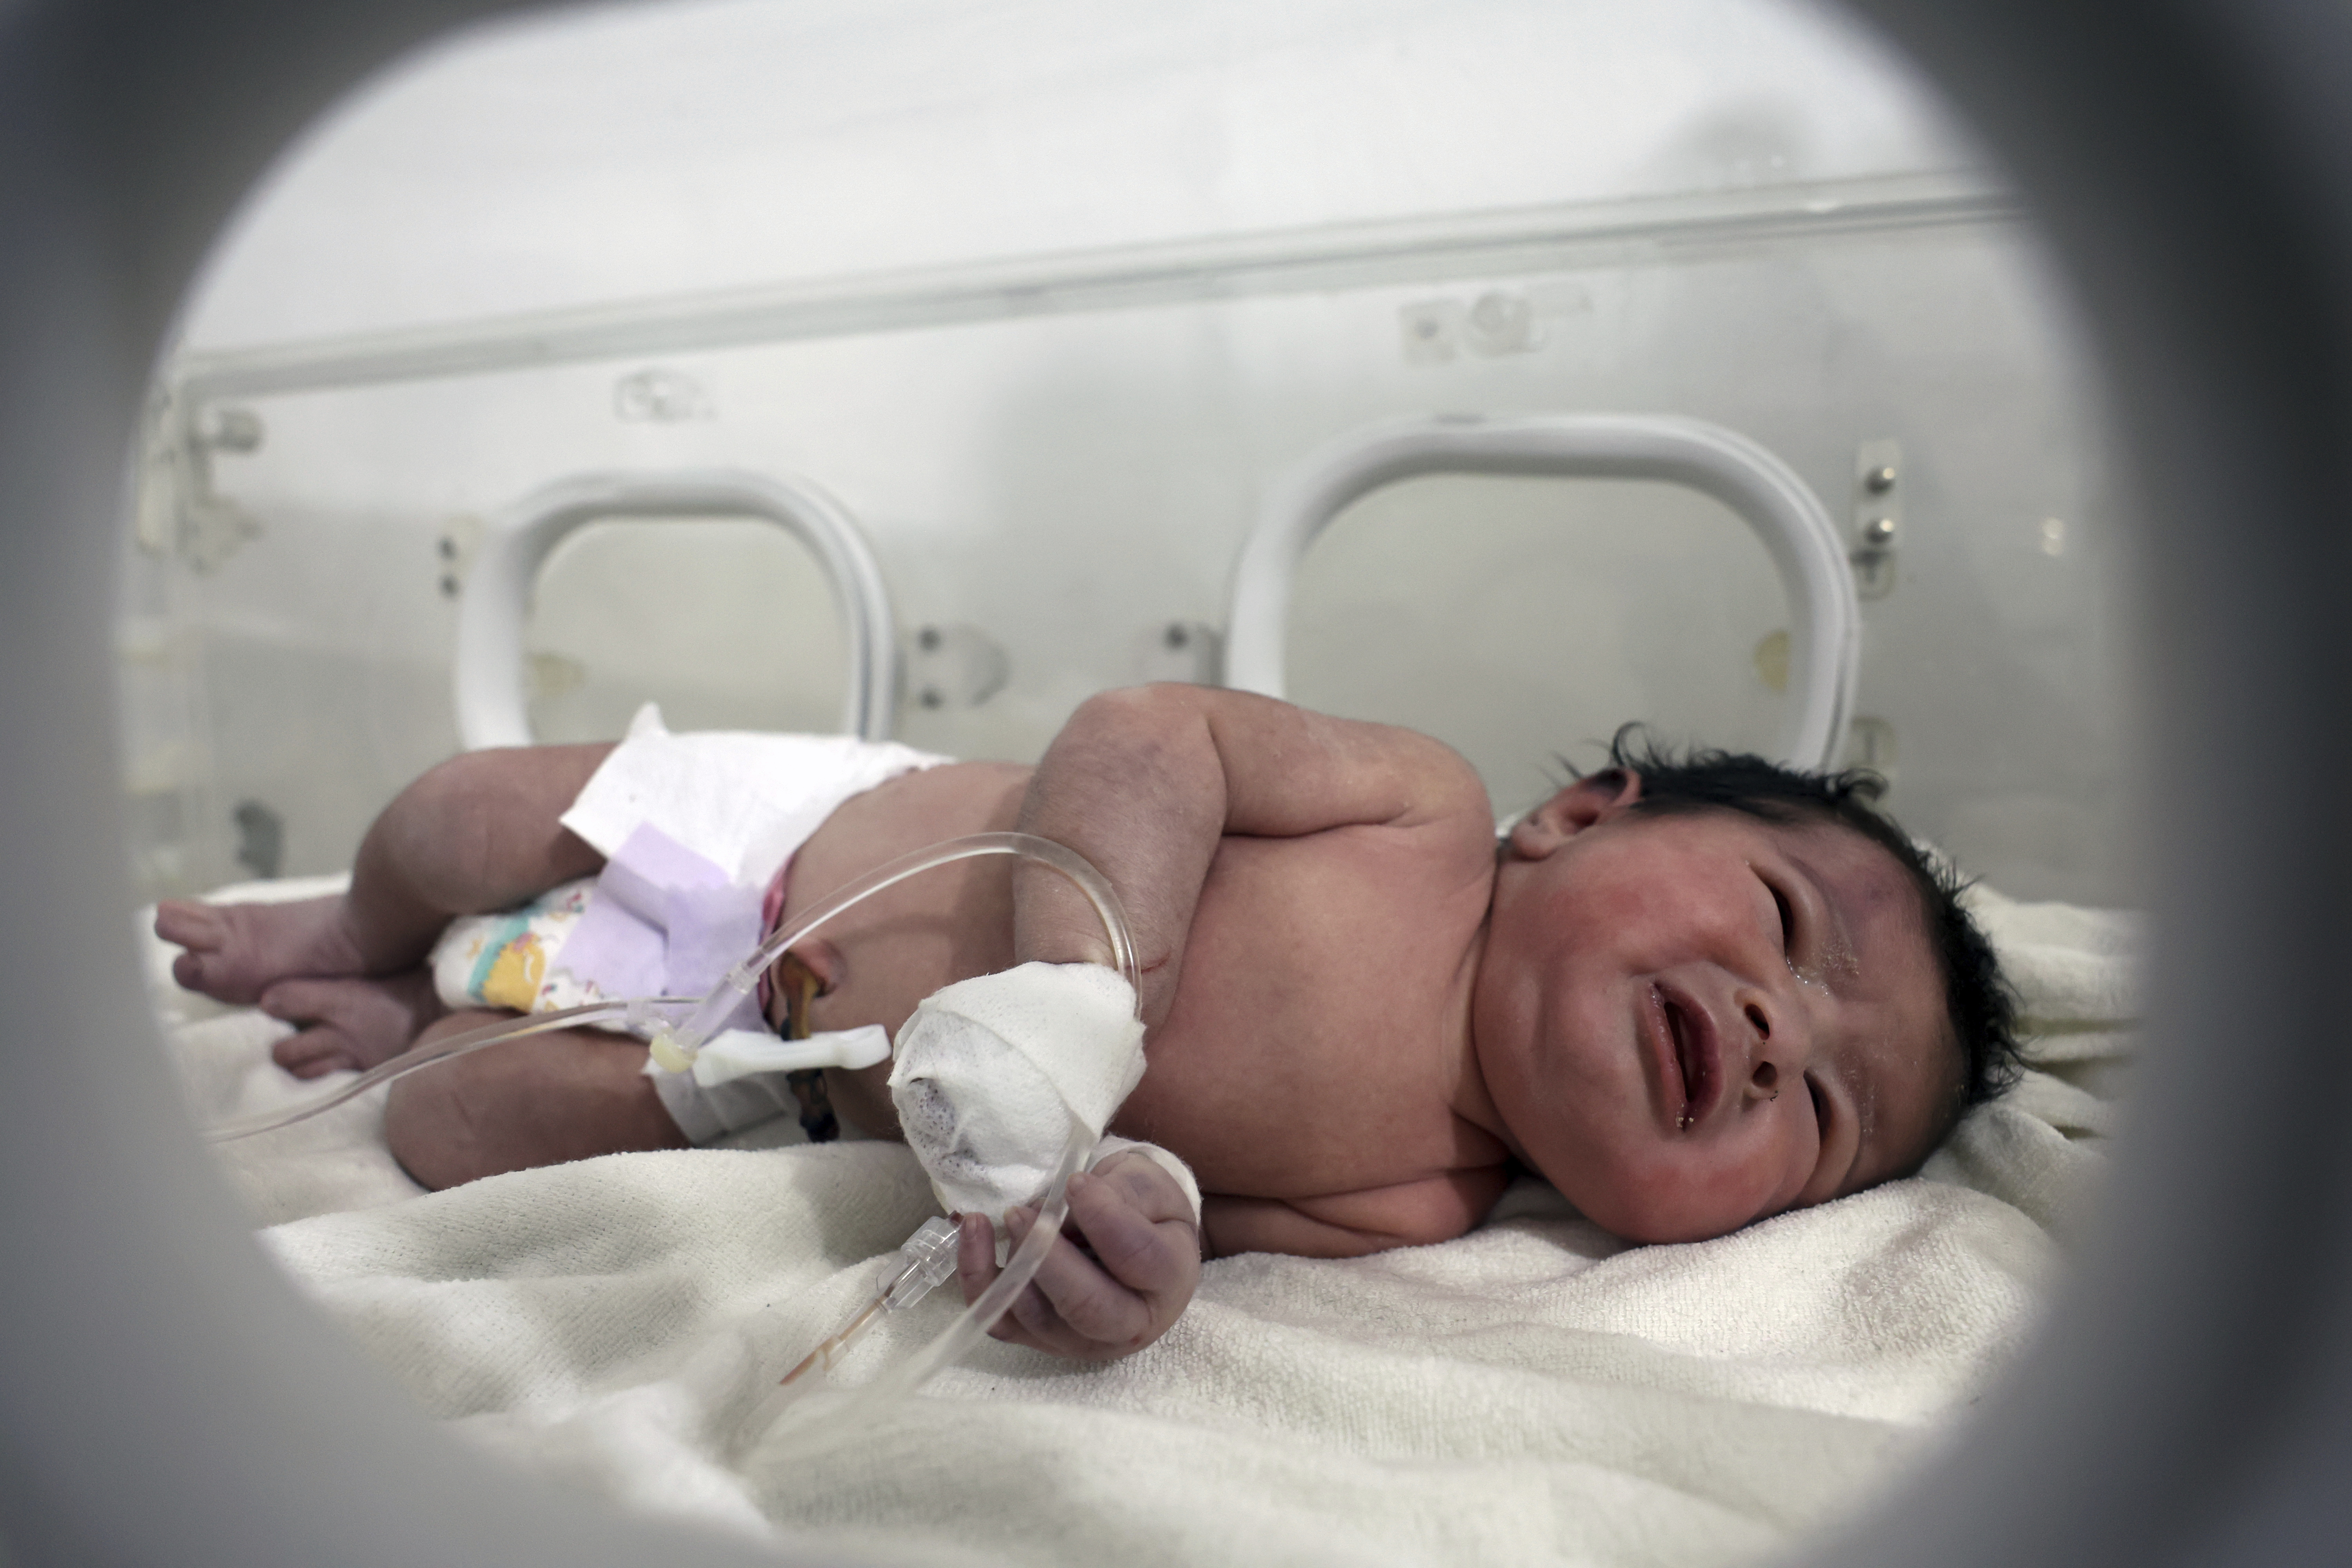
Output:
(1690, 994)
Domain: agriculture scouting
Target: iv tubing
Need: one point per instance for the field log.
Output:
(633, 1012)
(971, 1326)
(709, 1011)
(744, 978)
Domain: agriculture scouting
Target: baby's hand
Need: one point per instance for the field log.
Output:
(1146, 1261)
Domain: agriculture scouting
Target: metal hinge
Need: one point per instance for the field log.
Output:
(1877, 517)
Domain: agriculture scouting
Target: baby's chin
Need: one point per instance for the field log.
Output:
(1640, 1218)
(1633, 1189)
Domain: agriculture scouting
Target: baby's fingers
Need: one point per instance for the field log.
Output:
(1145, 1261)
(975, 1255)
(1030, 1319)
(1146, 1184)
(1134, 1245)
(1099, 1315)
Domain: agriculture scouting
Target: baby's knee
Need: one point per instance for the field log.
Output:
(435, 825)
(425, 1127)
(482, 828)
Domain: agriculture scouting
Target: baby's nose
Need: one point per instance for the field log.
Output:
(1770, 1036)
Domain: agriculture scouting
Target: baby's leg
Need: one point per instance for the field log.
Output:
(236, 951)
(475, 835)
(569, 1094)
(350, 1023)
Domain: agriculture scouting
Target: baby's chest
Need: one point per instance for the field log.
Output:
(1319, 1024)
(1246, 1133)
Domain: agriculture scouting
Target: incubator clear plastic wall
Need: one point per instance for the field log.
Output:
(1048, 297)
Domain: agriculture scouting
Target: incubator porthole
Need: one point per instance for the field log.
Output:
(1585, 601)
(1050, 357)
(728, 622)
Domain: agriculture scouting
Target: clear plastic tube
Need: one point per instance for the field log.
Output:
(971, 1326)
(927, 1258)
(702, 1017)
(744, 978)
(634, 1013)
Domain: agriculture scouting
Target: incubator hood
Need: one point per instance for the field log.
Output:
(1061, 305)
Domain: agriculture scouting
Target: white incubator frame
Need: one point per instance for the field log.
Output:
(1825, 635)
(492, 707)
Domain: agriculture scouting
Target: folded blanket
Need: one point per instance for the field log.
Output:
(1534, 1392)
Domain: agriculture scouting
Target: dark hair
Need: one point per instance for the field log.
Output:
(1978, 1000)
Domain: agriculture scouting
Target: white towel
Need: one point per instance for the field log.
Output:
(1534, 1392)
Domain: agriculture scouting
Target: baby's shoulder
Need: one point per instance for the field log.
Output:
(1440, 784)
(1451, 813)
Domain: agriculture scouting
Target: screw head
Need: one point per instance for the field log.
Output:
(1879, 481)
(1879, 531)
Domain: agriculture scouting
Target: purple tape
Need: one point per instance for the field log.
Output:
(665, 922)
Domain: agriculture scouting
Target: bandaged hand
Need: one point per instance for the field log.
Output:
(988, 1074)
(1121, 1273)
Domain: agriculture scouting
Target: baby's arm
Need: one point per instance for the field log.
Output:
(1145, 782)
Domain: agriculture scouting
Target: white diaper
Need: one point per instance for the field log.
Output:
(988, 1073)
(742, 802)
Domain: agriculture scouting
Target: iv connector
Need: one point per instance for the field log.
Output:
(931, 1258)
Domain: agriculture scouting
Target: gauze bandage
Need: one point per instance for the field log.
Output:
(988, 1073)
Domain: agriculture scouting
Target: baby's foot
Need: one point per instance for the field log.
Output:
(350, 1023)
(236, 951)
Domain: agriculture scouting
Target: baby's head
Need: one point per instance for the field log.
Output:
(1713, 989)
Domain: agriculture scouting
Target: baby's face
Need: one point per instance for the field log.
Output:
(1691, 1020)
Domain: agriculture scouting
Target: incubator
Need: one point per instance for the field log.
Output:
(318, 512)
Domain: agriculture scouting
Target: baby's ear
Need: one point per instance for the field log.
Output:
(1591, 800)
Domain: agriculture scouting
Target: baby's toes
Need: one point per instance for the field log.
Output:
(188, 972)
(313, 1052)
(296, 1001)
(373, 1019)
(212, 963)
(190, 923)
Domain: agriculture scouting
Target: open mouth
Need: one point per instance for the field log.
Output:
(1695, 1058)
